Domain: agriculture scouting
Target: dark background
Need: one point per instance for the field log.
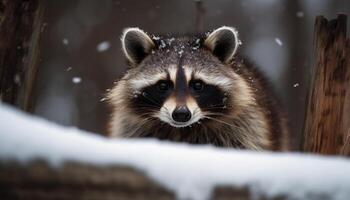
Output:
(74, 74)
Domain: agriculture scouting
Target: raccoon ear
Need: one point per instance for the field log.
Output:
(136, 44)
(223, 43)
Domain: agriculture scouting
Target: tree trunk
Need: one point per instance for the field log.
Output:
(326, 126)
(20, 29)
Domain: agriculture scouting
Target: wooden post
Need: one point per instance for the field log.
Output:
(326, 126)
(20, 29)
(200, 13)
(345, 150)
(76, 181)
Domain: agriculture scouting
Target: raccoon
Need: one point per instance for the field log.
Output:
(195, 89)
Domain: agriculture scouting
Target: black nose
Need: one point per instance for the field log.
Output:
(181, 114)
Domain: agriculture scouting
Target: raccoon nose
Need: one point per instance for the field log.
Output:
(181, 114)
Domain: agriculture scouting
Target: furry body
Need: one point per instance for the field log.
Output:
(228, 100)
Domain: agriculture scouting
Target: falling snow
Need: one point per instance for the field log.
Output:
(17, 79)
(300, 14)
(65, 41)
(278, 41)
(103, 46)
(76, 80)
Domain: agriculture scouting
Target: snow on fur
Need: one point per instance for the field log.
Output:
(190, 171)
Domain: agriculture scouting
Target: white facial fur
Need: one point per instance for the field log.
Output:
(144, 80)
(165, 113)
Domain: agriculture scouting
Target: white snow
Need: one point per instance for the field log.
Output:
(65, 41)
(76, 80)
(278, 41)
(190, 171)
(103, 46)
(296, 85)
(162, 44)
(171, 40)
(17, 79)
(197, 41)
(300, 14)
(155, 37)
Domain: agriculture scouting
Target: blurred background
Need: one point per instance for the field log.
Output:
(81, 54)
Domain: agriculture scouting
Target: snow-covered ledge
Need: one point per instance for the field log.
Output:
(188, 172)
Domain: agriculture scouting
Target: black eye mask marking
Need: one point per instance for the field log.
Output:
(209, 97)
(152, 97)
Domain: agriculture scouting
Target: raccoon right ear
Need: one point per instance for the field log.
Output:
(136, 44)
(223, 43)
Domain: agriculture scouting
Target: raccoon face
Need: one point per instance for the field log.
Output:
(180, 81)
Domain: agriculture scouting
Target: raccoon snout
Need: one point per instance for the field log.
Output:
(181, 114)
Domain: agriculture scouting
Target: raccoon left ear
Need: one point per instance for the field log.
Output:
(223, 43)
(136, 44)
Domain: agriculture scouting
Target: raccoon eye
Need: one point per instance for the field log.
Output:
(197, 85)
(163, 86)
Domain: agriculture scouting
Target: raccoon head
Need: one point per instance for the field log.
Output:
(180, 81)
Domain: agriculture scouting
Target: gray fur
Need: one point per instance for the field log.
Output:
(253, 119)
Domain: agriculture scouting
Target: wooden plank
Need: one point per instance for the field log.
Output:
(324, 128)
(346, 147)
(200, 14)
(37, 180)
(20, 30)
(76, 181)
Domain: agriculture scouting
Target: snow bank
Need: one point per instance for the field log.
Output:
(189, 171)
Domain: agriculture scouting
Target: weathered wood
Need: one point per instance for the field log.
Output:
(325, 128)
(37, 180)
(76, 181)
(20, 30)
(200, 14)
(345, 150)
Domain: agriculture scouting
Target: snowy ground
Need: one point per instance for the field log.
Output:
(189, 171)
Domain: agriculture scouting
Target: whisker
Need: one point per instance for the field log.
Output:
(144, 94)
(221, 115)
(215, 108)
(218, 106)
(220, 121)
(148, 107)
(239, 139)
(141, 125)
